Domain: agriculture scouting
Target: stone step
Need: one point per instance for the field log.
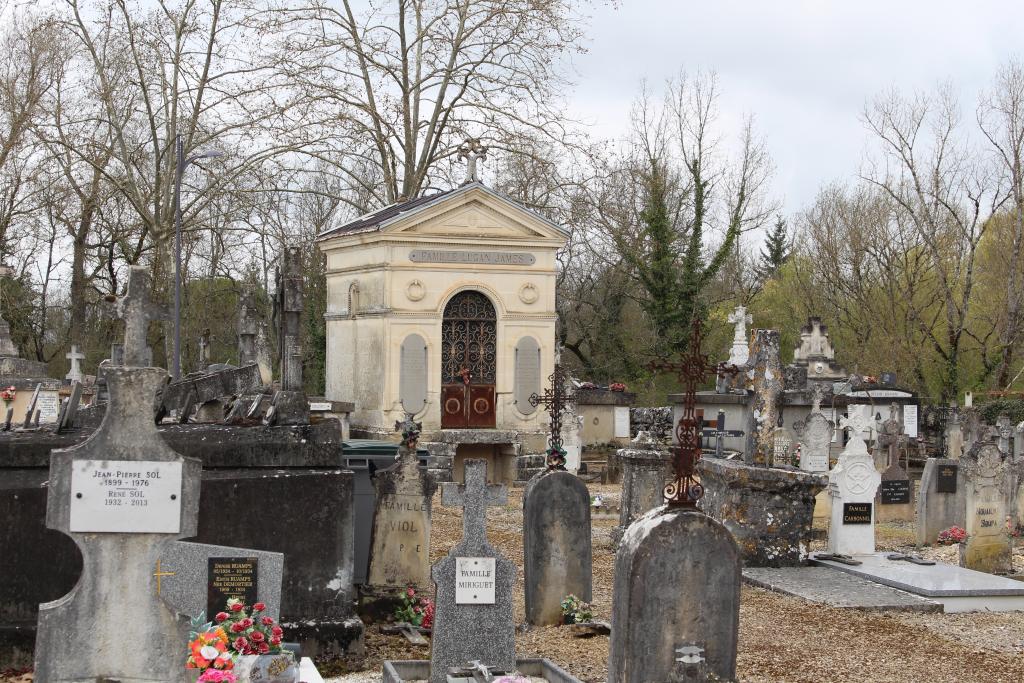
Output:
(836, 589)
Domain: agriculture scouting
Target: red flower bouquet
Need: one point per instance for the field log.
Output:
(415, 610)
(250, 633)
(953, 534)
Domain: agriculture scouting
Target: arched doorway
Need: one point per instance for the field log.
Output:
(469, 343)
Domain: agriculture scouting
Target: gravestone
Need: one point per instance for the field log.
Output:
(412, 374)
(75, 373)
(765, 379)
(1004, 432)
(941, 502)
(895, 499)
(739, 353)
(289, 405)
(987, 479)
(815, 432)
(556, 545)
(645, 469)
(473, 618)
(124, 497)
(677, 587)
(852, 484)
(400, 546)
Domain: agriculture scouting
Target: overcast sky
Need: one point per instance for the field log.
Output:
(804, 69)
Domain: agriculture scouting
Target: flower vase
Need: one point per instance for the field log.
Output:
(275, 668)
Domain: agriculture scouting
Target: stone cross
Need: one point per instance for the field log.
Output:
(857, 424)
(135, 308)
(555, 399)
(693, 367)
(289, 306)
(248, 328)
(892, 437)
(472, 150)
(204, 349)
(740, 350)
(75, 373)
(475, 496)
(1004, 429)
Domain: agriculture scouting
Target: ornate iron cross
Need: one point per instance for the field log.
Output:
(693, 368)
(554, 400)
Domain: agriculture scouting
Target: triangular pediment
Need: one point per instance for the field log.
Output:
(478, 213)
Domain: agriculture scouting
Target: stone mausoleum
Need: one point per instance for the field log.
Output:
(444, 307)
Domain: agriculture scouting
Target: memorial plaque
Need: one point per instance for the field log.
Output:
(48, 406)
(230, 577)
(412, 377)
(126, 496)
(621, 422)
(895, 491)
(527, 379)
(946, 482)
(492, 258)
(474, 580)
(857, 513)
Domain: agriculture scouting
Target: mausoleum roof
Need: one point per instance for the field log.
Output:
(376, 220)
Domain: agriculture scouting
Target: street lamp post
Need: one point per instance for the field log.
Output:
(180, 166)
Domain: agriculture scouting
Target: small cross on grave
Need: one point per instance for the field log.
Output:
(719, 432)
(135, 308)
(75, 373)
(475, 496)
(555, 399)
(857, 423)
(740, 353)
(693, 368)
(158, 574)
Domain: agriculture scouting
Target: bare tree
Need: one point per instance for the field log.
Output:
(1001, 119)
(946, 193)
(409, 80)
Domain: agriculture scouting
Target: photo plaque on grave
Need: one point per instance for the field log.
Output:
(474, 580)
(126, 496)
(946, 481)
(230, 577)
(895, 491)
(857, 513)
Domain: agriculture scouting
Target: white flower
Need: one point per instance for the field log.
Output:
(209, 652)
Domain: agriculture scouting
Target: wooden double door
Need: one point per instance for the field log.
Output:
(469, 343)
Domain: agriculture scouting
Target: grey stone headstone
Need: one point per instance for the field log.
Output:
(78, 632)
(938, 510)
(412, 377)
(68, 419)
(400, 546)
(644, 471)
(557, 555)
(32, 406)
(987, 475)
(677, 584)
(186, 565)
(527, 377)
(816, 440)
(766, 380)
(472, 632)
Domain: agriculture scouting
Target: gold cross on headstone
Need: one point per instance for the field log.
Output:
(159, 575)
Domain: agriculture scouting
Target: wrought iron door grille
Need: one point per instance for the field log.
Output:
(469, 339)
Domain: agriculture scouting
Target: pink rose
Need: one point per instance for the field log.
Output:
(275, 640)
(221, 617)
(410, 592)
(257, 636)
(264, 648)
(267, 621)
(259, 607)
(237, 607)
(236, 627)
(277, 631)
(241, 644)
(247, 622)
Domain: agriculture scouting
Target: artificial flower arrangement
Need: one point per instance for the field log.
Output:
(617, 386)
(415, 610)
(556, 457)
(215, 648)
(953, 534)
(575, 611)
(9, 393)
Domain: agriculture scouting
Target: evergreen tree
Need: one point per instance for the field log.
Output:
(776, 250)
